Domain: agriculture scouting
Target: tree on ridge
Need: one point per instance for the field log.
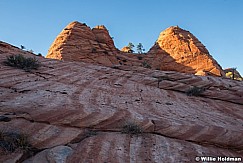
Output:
(140, 48)
(130, 47)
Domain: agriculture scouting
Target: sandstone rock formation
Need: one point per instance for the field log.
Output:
(78, 42)
(177, 45)
(75, 111)
(125, 49)
(175, 50)
(103, 37)
(232, 73)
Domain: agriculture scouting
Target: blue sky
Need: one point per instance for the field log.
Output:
(218, 24)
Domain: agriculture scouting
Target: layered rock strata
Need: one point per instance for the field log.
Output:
(75, 112)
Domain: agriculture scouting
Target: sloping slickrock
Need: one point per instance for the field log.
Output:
(11, 157)
(57, 154)
(176, 45)
(78, 42)
(42, 134)
(146, 148)
(72, 97)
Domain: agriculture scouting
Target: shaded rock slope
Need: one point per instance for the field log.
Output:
(175, 49)
(75, 111)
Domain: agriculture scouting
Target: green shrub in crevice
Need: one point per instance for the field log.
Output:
(10, 141)
(195, 91)
(19, 61)
(132, 128)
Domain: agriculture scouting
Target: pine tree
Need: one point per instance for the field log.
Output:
(130, 47)
(22, 47)
(140, 48)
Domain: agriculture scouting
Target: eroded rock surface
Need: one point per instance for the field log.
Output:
(78, 42)
(75, 111)
(179, 50)
(175, 50)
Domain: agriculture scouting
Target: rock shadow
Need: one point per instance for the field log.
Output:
(161, 60)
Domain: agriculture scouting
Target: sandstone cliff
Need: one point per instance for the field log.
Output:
(75, 111)
(179, 50)
(175, 50)
(78, 42)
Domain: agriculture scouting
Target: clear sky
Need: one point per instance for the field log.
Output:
(218, 24)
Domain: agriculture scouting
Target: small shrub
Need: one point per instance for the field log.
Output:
(115, 67)
(4, 118)
(195, 91)
(10, 141)
(22, 62)
(139, 57)
(145, 64)
(94, 50)
(132, 128)
(22, 47)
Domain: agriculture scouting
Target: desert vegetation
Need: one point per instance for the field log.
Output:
(132, 128)
(21, 62)
(11, 141)
(139, 57)
(140, 48)
(195, 91)
(145, 64)
(130, 47)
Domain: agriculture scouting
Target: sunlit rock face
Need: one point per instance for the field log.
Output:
(78, 42)
(175, 50)
(125, 49)
(179, 50)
